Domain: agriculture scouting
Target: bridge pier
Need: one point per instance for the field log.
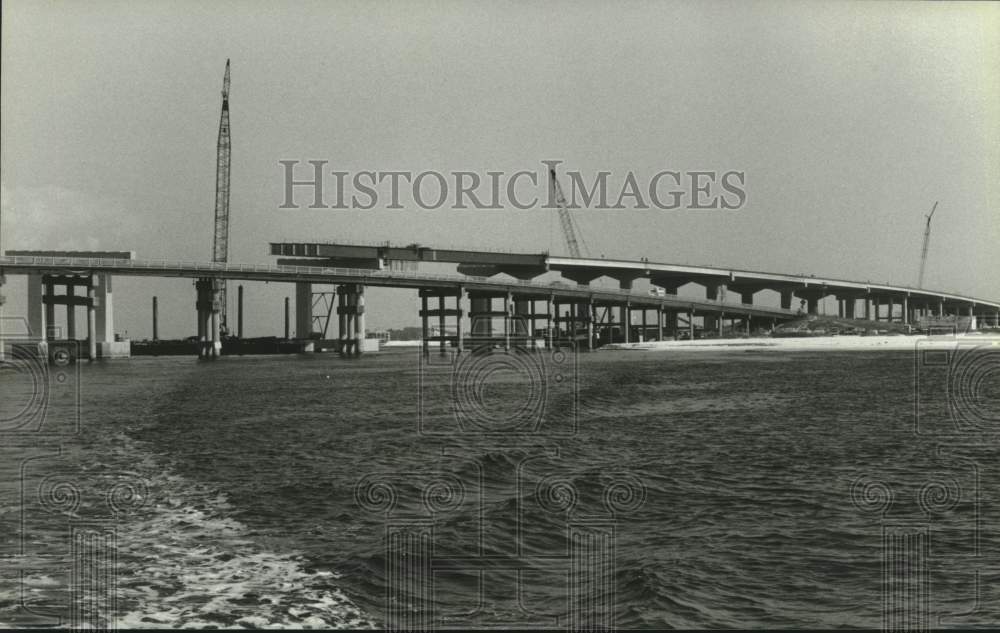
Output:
(303, 310)
(91, 325)
(359, 319)
(70, 312)
(215, 350)
(627, 321)
(203, 304)
(96, 300)
(39, 319)
(442, 312)
(239, 312)
(350, 318)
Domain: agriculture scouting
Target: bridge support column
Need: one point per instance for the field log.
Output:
(216, 294)
(49, 298)
(37, 312)
(849, 308)
(239, 311)
(691, 324)
(506, 321)
(425, 342)
(204, 305)
(659, 323)
(522, 321)
(342, 319)
(202, 328)
(359, 320)
(549, 307)
(906, 311)
(70, 313)
(590, 324)
(442, 312)
(459, 334)
(105, 314)
(156, 320)
(868, 309)
(347, 311)
(91, 325)
(812, 305)
(303, 310)
(287, 321)
(442, 343)
(627, 321)
(557, 319)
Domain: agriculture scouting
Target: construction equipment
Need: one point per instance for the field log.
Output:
(923, 251)
(220, 246)
(566, 220)
(570, 235)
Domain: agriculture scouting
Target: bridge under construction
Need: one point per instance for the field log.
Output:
(493, 298)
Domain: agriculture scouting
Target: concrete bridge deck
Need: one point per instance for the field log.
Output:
(745, 283)
(369, 277)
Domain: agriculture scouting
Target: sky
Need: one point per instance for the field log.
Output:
(849, 120)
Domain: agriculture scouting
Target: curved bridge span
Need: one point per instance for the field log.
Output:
(717, 281)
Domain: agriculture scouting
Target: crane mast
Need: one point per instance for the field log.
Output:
(565, 219)
(923, 251)
(220, 246)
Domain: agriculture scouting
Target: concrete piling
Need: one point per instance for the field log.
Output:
(91, 324)
(287, 315)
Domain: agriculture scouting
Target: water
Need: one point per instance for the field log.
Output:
(718, 489)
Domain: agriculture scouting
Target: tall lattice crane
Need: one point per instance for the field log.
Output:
(927, 241)
(220, 246)
(566, 220)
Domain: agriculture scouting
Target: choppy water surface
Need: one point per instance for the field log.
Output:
(726, 489)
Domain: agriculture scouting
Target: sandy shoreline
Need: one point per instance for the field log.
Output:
(816, 343)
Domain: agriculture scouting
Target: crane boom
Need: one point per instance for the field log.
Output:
(923, 251)
(220, 245)
(565, 219)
